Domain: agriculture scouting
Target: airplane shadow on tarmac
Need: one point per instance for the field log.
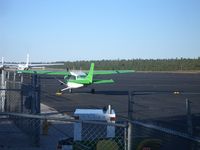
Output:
(107, 92)
(112, 92)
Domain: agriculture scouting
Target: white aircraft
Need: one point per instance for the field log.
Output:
(27, 65)
(2, 63)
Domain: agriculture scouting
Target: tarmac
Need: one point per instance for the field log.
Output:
(166, 105)
(116, 94)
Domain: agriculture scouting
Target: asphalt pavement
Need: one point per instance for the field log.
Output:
(188, 84)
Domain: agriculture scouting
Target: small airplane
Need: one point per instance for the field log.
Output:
(28, 66)
(4, 65)
(78, 79)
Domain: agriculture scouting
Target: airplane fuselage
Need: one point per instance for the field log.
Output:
(73, 85)
(22, 67)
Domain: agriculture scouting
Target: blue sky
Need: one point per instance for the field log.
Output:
(61, 30)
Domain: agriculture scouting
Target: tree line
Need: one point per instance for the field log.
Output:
(182, 64)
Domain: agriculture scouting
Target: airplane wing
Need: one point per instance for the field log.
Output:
(8, 64)
(98, 72)
(47, 64)
(106, 72)
(44, 72)
(102, 81)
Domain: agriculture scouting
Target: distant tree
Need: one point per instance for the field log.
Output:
(182, 64)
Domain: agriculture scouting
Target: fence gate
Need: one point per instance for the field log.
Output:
(21, 94)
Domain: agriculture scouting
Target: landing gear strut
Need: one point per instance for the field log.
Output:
(70, 90)
(92, 91)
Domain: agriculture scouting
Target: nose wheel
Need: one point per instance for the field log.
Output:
(59, 92)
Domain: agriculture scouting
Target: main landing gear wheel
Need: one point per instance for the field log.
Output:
(92, 91)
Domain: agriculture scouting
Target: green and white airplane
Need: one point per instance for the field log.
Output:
(78, 79)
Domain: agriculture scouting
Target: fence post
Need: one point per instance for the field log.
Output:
(8, 75)
(35, 108)
(14, 79)
(35, 94)
(130, 118)
(189, 119)
(14, 76)
(38, 88)
(22, 78)
(3, 92)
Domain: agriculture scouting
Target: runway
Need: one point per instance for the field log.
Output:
(117, 94)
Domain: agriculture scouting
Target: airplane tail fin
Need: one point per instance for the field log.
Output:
(2, 61)
(90, 74)
(27, 60)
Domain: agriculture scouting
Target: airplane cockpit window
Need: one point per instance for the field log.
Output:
(72, 78)
(81, 76)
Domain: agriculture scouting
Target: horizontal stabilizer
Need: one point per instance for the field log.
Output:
(103, 81)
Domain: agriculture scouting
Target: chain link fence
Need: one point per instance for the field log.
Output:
(157, 121)
(61, 133)
(20, 120)
(164, 120)
(100, 135)
(155, 137)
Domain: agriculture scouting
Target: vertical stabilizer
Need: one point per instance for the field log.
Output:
(2, 61)
(27, 60)
(90, 74)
